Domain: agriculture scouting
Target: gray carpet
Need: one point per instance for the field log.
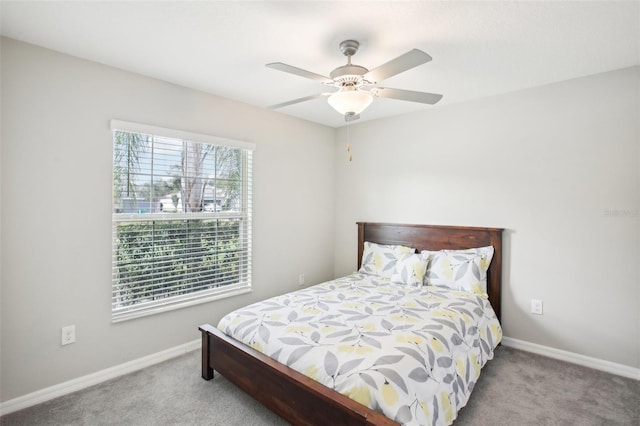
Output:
(516, 388)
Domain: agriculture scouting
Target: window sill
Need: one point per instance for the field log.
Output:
(177, 304)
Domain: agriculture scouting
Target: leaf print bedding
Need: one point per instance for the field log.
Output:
(411, 353)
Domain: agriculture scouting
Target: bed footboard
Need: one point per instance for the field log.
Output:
(288, 393)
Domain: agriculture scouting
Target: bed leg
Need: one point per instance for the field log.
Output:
(207, 371)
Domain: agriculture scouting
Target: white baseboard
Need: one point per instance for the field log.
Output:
(83, 382)
(74, 385)
(574, 358)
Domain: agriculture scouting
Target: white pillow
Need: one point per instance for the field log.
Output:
(410, 270)
(379, 259)
(464, 270)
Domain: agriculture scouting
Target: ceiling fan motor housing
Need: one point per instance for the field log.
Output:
(349, 75)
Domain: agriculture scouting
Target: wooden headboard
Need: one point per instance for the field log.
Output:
(437, 237)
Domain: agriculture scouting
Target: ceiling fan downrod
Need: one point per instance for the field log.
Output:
(349, 74)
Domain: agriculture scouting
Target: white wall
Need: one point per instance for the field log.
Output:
(556, 166)
(547, 164)
(56, 210)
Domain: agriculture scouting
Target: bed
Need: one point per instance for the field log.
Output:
(302, 400)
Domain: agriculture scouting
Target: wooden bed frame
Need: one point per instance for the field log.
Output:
(303, 401)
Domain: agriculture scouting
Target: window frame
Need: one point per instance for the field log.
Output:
(244, 217)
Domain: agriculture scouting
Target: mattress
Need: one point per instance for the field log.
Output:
(411, 353)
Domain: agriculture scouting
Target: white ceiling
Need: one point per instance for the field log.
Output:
(479, 48)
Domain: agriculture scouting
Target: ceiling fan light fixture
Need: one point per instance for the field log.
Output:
(350, 101)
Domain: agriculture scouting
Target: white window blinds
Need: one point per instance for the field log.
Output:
(181, 219)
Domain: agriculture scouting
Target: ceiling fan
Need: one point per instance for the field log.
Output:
(357, 86)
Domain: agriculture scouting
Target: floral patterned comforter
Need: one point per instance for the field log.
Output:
(412, 353)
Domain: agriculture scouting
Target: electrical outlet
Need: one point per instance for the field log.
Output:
(301, 279)
(536, 306)
(68, 335)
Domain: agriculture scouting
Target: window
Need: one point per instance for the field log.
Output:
(181, 219)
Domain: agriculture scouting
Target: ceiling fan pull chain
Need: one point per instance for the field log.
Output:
(348, 144)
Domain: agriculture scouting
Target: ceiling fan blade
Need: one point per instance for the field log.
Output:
(411, 59)
(299, 72)
(406, 95)
(295, 101)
